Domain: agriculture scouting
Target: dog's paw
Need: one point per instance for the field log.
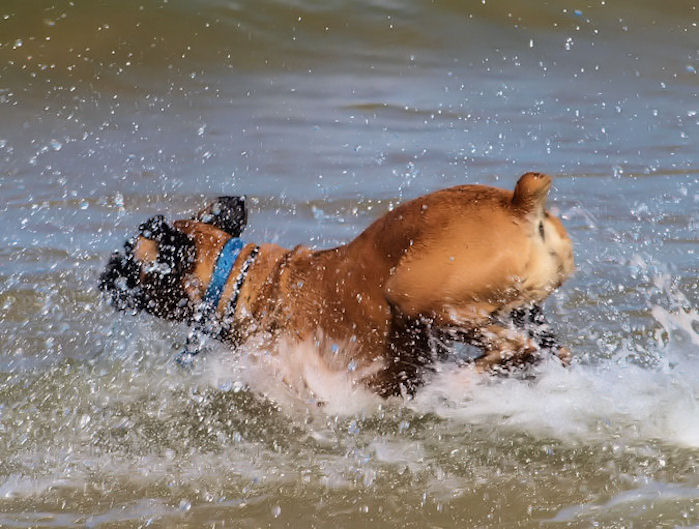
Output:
(564, 355)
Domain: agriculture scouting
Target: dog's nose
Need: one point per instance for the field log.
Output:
(110, 274)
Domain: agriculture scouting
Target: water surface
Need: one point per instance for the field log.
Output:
(327, 114)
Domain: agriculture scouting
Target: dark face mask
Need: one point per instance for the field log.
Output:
(156, 286)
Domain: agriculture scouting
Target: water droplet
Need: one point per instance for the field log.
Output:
(276, 511)
(55, 144)
(18, 44)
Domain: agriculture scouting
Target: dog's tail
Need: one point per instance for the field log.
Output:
(531, 192)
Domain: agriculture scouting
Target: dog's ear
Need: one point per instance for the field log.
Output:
(226, 213)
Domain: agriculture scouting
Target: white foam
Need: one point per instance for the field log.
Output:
(18, 485)
(577, 403)
(613, 399)
(294, 376)
(651, 492)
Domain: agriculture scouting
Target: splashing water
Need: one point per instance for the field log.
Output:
(327, 116)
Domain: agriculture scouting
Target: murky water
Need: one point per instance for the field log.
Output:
(326, 114)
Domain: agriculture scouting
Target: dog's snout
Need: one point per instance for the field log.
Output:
(147, 274)
(119, 279)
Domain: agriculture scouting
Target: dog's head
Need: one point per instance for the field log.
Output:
(153, 272)
(149, 273)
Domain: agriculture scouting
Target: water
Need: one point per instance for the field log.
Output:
(326, 114)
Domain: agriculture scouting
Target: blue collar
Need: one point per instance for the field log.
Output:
(224, 265)
(205, 323)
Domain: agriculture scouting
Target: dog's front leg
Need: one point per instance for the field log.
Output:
(504, 347)
(531, 319)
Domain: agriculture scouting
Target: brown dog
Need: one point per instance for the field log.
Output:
(467, 263)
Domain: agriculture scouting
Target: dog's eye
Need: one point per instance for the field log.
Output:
(541, 230)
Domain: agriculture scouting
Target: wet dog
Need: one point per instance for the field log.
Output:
(470, 263)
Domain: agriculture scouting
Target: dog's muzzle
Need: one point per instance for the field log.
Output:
(121, 280)
(155, 287)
